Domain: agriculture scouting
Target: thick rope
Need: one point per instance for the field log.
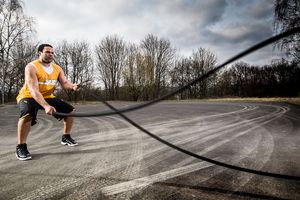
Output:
(120, 112)
(252, 171)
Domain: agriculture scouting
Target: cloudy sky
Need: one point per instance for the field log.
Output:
(225, 27)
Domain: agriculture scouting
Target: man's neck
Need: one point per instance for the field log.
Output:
(44, 63)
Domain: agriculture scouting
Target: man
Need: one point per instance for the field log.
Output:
(41, 76)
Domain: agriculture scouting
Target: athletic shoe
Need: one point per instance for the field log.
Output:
(67, 140)
(22, 153)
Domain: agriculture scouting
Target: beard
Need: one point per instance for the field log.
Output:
(47, 61)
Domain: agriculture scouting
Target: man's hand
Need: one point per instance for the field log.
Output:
(75, 87)
(49, 109)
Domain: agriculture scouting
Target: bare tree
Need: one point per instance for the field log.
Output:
(22, 53)
(277, 79)
(224, 85)
(134, 72)
(62, 56)
(76, 60)
(80, 59)
(181, 75)
(14, 26)
(202, 61)
(240, 73)
(189, 69)
(287, 16)
(159, 56)
(110, 60)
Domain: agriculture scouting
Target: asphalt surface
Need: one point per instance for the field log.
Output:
(114, 160)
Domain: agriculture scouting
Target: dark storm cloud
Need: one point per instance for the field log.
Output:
(251, 33)
(218, 25)
(261, 10)
(187, 21)
(243, 24)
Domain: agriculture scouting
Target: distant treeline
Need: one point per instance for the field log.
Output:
(146, 71)
(281, 79)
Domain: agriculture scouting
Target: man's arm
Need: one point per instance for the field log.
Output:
(65, 83)
(33, 85)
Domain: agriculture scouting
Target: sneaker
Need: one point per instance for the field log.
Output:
(67, 140)
(22, 153)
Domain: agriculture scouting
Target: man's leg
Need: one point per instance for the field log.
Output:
(24, 126)
(28, 111)
(64, 107)
(68, 124)
(66, 138)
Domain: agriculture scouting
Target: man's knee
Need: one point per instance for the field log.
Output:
(68, 119)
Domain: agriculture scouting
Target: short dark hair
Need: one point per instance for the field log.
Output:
(42, 46)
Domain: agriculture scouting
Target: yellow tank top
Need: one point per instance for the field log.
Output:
(47, 82)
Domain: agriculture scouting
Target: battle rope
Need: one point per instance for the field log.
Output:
(119, 112)
(204, 76)
(252, 171)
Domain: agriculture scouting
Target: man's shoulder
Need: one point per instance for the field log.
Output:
(32, 64)
(56, 66)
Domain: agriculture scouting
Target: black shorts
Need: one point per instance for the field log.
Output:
(28, 106)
